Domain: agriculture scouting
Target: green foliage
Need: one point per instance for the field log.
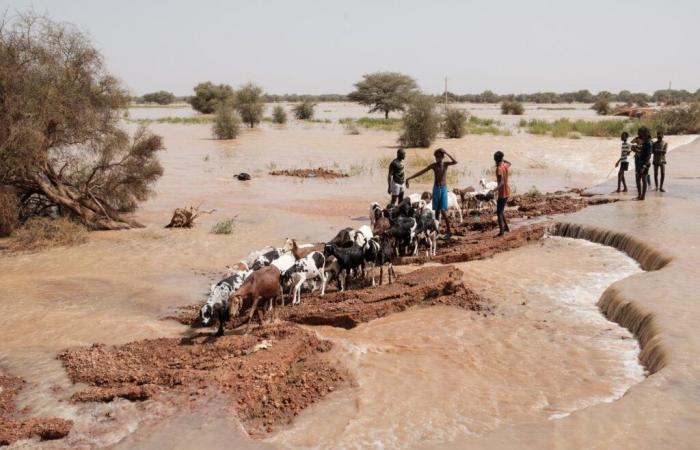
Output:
(250, 104)
(208, 97)
(304, 110)
(226, 226)
(227, 124)
(565, 127)
(420, 123)
(512, 107)
(679, 120)
(384, 91)
(602, 108)
(160, 97)
(455, 123)
(279, 115)
(477, 125)
(176, 120)
(390, 124)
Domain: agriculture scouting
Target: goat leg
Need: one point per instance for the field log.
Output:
(253, 307)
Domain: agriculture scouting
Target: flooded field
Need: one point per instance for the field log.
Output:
(545, 353)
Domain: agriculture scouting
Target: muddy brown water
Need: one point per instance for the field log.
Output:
(115, 288)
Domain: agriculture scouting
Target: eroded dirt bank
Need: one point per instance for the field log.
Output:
(15, 425)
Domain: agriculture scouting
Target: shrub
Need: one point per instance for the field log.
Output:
(602, 108)
(304, 110)
(160, 97)
(227, 124)
(250, 104)
(681, 120)
(533, 193)
(420, 123)
(9, 211)
(279, 115)
(42, 232)
(226, 226)
(208, 97)
(455, 123)
(512, 107)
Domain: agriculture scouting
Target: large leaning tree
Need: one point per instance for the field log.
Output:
(61, 145)
(384, 91)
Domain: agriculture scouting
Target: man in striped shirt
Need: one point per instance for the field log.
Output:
(623, 162)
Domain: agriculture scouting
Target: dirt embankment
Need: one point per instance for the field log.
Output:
(318, 172)
(269, 375)
(15, 425)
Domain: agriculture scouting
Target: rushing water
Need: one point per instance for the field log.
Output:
(431, 375)
(423, 376)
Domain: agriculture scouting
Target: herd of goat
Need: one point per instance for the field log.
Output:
(397, 230)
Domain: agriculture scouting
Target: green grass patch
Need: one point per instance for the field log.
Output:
(226, 226)
(477, 125)
(574, 129)
(391, 124)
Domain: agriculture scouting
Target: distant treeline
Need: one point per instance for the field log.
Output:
(666, 96)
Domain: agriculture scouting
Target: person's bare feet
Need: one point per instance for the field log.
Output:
(624, 190)
(662, 190)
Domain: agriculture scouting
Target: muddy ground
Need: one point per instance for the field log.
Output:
(318, 172)
(15, 425)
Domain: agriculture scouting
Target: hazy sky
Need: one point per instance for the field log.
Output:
(306, 46)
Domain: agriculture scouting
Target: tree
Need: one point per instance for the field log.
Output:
(455, 123)
(304, 110)
(208, 97)
(227, 124)
(250, 104)
(160, 97)
(279, 115)
(420, 123)
(61, 144)
(384, 91)
(512, 107)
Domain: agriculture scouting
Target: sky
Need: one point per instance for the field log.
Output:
(315, 47)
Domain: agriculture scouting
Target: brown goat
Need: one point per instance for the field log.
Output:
(462, 194)
(300, 252)
(381, 225)
(263, 284)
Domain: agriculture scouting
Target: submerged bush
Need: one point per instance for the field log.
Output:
(681, 120)
(160, 97)
(39, 233)
(208, 97)
(279, 115)
(512, 107)
(250, 104)
(226, 226)
(227, 124)
(602, 108)
(420, 123)
(455, 123)
(304, 110)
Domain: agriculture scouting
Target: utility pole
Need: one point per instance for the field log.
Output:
(445, 94)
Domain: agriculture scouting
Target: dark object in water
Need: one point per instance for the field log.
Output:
(242, 176)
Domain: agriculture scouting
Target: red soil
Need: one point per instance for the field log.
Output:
(15, 426)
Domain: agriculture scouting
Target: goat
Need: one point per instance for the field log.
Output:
(239, 267)
(332, 269)
(300, 251)
(453, 204)
(375, 212)
(488, 185)
(370, 253)
(219, 295)
(384, 257)
(427, 231)
(381, 225)
(310, 267)
(254, 255)
(404, 233)
(284, 262)
(362, 235)
(343, 238)
(267, 258)
(348, 258)
(263, 284)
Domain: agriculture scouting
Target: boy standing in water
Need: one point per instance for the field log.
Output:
(642, 162)
(623, 162)
(660, 147)
(503, 189)
(439, 168)
(396, 177)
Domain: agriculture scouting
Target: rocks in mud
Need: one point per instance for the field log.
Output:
(243, 176)
(318, 172)
(269, 375)
(14, 426)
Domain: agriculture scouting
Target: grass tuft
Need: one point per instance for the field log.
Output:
(226, 226)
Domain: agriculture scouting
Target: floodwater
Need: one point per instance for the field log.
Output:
(472, 374)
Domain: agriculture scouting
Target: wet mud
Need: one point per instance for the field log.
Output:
(268, 375)
(318, 172)
(16, 425)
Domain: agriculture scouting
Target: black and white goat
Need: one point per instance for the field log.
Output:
(219, 295)
(403, 231)
(349, 258)
(310, 267)
(427, 231)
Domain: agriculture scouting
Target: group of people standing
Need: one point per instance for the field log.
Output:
(398, 183)
(646, 153)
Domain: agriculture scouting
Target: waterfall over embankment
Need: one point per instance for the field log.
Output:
(615, 305)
